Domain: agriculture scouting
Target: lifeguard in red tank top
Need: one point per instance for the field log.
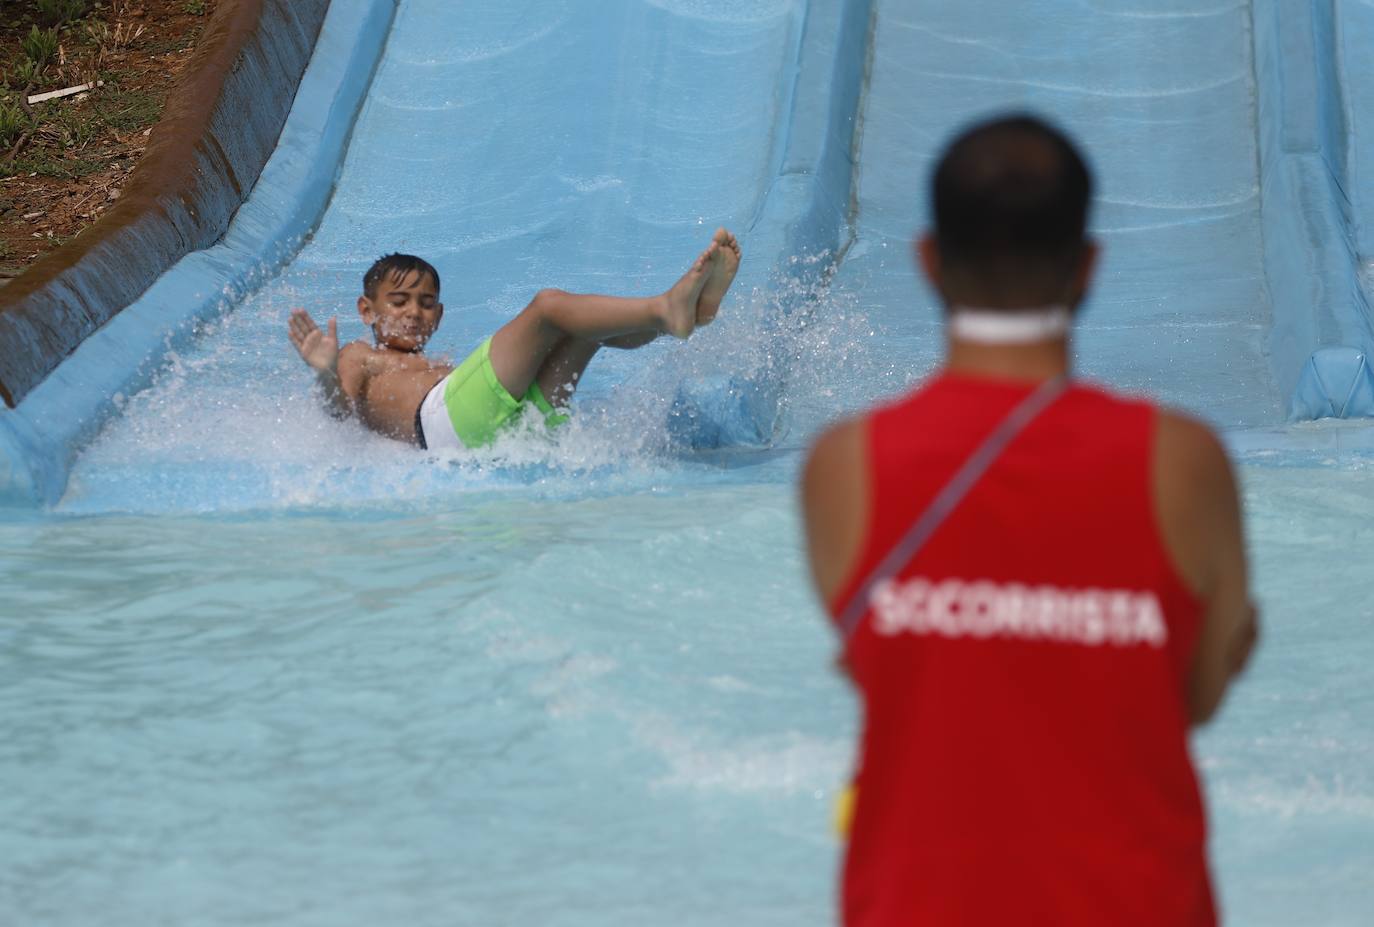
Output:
(1024, 756)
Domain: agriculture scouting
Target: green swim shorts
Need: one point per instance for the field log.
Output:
(470, 407)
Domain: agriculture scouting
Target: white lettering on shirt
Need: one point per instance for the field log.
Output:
(981, 609)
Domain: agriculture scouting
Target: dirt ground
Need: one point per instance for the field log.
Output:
(73, 156)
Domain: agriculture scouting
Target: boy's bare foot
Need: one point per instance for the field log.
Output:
(722, 275)
(679, 306)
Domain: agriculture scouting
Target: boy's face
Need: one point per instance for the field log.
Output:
(403, 312)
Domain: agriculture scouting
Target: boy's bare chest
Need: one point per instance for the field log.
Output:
(395, 362)
(363, 369)
(372, 363)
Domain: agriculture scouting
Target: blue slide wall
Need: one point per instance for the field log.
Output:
(41, 437)
(1314, 71)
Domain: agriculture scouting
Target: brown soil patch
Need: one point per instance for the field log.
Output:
(76, 153)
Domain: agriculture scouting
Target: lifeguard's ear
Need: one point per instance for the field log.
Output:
(1087, 265)
(365, 310)
(1083, 274)
(928, 257)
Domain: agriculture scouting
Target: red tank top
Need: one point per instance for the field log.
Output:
(1024, 755)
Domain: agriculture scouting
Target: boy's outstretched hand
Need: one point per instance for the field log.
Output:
(318, 349)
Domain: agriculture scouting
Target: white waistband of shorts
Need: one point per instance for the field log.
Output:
(439, 433)
(1009, 326)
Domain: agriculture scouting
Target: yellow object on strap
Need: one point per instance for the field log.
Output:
(844, 810)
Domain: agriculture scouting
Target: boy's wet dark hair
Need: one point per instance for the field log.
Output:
(396, 267)
(1011, 196)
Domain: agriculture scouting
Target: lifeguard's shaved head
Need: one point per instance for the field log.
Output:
(1010, 200)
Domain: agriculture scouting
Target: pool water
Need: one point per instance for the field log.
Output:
(507, 709)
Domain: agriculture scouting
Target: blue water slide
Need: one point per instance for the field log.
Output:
(595, 146)
(516, 145)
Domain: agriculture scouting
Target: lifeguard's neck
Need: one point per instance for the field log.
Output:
(1031, 344)
(1034, 362)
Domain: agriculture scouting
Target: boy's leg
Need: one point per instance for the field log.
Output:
(563, 369)
(630, 342)
(520, 348)
(722, 275)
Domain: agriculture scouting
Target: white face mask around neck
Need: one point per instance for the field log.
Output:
(1009, 326)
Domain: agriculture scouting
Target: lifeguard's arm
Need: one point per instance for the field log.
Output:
(320, 350)
(1200, 516)
(835, 496)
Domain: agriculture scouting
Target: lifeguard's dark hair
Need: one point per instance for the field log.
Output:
(1010, 198)
(396, 267)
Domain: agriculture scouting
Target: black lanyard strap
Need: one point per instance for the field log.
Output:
(949, 497)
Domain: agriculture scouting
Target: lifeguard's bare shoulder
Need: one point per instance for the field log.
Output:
(835, 501)
(1194, 495)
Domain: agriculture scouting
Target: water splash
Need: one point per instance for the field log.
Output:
(231, 422)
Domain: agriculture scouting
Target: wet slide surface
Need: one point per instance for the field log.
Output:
(274, 669)
(515, 146)
(1161, 97)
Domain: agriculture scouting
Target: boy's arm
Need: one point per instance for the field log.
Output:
(320, 350)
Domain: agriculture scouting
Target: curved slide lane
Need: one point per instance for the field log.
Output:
(1161, 97)
(518, 146)
(543, 143)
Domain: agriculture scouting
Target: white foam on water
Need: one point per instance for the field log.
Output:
(786, 764)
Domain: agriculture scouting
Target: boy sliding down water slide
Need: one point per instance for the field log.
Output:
(535, 358)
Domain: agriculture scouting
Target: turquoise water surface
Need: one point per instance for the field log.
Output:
(611, 709)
